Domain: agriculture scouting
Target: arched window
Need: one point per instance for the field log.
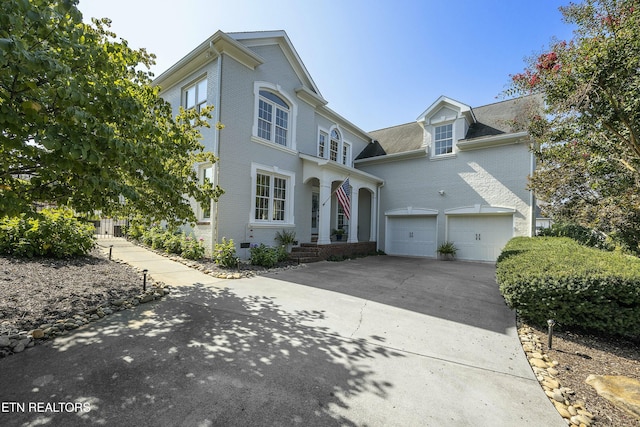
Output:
(273, 118)
(334, 145)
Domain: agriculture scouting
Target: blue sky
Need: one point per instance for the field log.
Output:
(378, 63)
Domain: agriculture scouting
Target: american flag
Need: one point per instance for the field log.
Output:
(342, 193)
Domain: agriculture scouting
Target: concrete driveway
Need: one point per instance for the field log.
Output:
(379, 341)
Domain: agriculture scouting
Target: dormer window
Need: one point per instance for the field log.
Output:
(443, 140)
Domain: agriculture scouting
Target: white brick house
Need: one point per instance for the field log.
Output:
(283, 152)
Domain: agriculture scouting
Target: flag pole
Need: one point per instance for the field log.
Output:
(331, 195)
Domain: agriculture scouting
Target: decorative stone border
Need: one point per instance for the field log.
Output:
(17, 343)
(563, 398)
(216, 271)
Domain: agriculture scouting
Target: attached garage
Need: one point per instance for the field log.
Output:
(411, 232)
(479, 233)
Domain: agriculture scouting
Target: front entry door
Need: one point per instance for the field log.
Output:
(315, 212)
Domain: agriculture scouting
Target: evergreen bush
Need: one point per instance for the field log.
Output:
(557, 278)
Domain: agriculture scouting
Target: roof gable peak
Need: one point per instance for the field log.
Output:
(444, 101)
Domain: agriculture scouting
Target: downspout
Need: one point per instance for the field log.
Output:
(216, 151)
(378, 217)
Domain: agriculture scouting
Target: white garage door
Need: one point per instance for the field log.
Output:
(411, 235)
(479, 238)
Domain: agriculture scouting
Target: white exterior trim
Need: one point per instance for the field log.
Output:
(277, 89)
(289, 201)
(480, 210)
(411, 211)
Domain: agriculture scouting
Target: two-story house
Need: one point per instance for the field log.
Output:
(454, 174)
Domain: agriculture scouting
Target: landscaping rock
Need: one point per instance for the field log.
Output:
(37, 334)
(4, 341)
(624, 392)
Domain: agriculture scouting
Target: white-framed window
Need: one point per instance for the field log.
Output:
(334, 145)
(272, 194)
(443, 139)
(206, 175)
(195, 95)
(346, 153)
(273, 118)
(322, 144)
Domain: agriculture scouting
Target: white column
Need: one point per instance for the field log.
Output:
(324, 223)
(353, 220)
(373, 234)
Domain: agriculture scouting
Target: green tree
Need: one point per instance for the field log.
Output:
(588, 137)
(82, 126)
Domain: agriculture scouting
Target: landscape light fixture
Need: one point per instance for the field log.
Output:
(551, 323)
(144, 279)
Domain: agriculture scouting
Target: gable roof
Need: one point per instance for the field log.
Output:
(504, 117)
(279, 37)
(444, 101)
(238, 46)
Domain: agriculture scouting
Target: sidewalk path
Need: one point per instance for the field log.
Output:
(269, 352)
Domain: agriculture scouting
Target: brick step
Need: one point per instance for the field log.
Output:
(305, 260)
(304, 254)
(307, 245)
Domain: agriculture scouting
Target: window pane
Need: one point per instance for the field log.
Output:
(321, 144)
(201, 91)
(282, 118)
(333, 150)
(264, 120)
(273, 97)
(279, 197)
(281, 136)
(190, 97)
(443, 140)
(263, 183)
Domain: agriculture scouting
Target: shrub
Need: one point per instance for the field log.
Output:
(557, 278)
(224, 254)
(173, 243)
(266, 256)
(149, 234)
(192, 248)
(285, 237)
(134, 231)
(53, 233)
(580, 234)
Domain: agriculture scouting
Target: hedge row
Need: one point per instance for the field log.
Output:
(557, 278)
(171, 241)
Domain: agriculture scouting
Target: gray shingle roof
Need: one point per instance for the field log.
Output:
(399, 139)
(494, 119)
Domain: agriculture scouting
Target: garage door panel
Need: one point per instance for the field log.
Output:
(478, 237)
(412, 236)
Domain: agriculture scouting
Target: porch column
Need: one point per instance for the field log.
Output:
(353, 221)
(324, 223)
(373, 233)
